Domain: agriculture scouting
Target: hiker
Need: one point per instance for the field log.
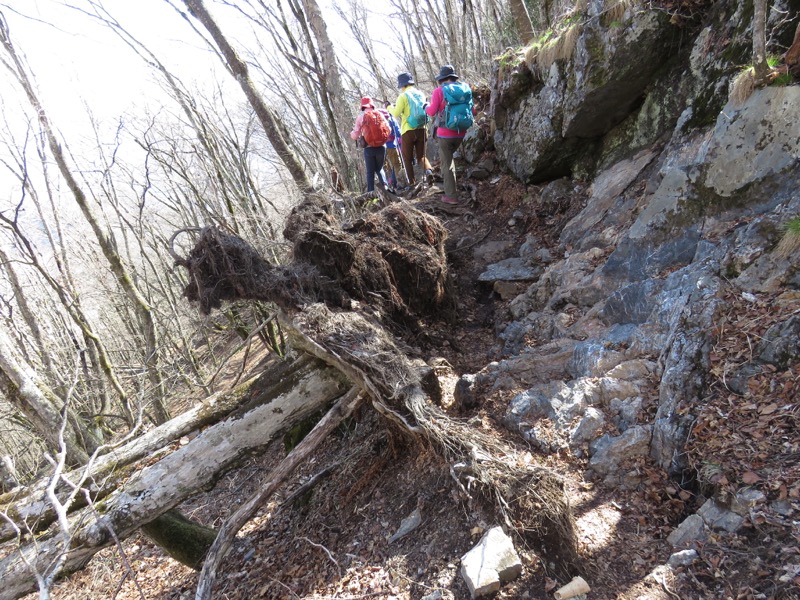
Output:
(451, 103)
(410, 109)
(371, 131)
(392, 167)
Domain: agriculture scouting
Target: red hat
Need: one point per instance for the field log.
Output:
(366, 102)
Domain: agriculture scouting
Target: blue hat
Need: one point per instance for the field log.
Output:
(445, 72)
(405, 79)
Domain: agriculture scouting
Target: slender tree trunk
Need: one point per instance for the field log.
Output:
(760, 65)
(331, 83)
(792, 56)
(269, 121)
(20, 386)
(27, 314)
(72, 306)
(522, 19)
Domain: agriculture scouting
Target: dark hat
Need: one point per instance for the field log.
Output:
(445, 72)
(405, 79)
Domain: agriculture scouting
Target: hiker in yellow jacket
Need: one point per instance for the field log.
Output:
(410, 109)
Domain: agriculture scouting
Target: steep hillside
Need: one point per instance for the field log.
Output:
(628, 314)
(334, 542)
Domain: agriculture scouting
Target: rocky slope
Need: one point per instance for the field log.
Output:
(626, 316)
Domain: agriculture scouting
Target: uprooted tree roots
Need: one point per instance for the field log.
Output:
(395, 261)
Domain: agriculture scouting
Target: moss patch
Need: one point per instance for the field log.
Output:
(184, 540)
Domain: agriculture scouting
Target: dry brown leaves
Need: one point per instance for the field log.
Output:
(749, 438)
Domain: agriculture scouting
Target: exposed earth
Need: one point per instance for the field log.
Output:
(333, 542)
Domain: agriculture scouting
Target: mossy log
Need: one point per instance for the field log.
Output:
(161, 486)
(183, 539)
(103, 475)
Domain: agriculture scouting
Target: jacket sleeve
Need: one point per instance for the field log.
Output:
(436, 103)
(398, 107)
(356, 133)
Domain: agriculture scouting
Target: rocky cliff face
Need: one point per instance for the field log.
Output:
(688, 195)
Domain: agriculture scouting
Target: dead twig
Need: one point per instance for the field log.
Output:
(328, 552)
(227, 532)
(310, 484)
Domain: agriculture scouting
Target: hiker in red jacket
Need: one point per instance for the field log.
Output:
(372, 131)
(451, 104)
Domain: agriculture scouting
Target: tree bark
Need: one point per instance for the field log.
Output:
(760, 66)
(273, 129)
(159, 487)
(522, 19)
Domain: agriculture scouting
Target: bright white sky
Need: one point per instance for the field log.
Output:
(80, 65)
(75, 58)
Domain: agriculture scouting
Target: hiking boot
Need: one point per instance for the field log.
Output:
(449, 199)
(429, 177)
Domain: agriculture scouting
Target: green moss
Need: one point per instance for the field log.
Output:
(782, 80)
(510, 58)
(295, 434)
(184, 540)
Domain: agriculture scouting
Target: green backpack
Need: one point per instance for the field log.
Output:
(458, 106)
(417, 117)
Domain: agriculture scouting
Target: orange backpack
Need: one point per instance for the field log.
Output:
(375, 129)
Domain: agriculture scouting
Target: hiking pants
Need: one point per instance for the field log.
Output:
(393, 164)
(413, 142)
(373, 159)
(448, 147)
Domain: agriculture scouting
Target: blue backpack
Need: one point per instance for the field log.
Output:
(458, 106)
(417, 117)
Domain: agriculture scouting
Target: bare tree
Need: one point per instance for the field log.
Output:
(273, 129)
(43, 409)
(760, 66)
(330, 79)
(522, 19)
(105, 239)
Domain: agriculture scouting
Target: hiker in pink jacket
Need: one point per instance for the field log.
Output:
(450, 139)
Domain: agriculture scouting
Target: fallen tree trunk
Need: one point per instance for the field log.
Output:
(161, 486)
(25, 507)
